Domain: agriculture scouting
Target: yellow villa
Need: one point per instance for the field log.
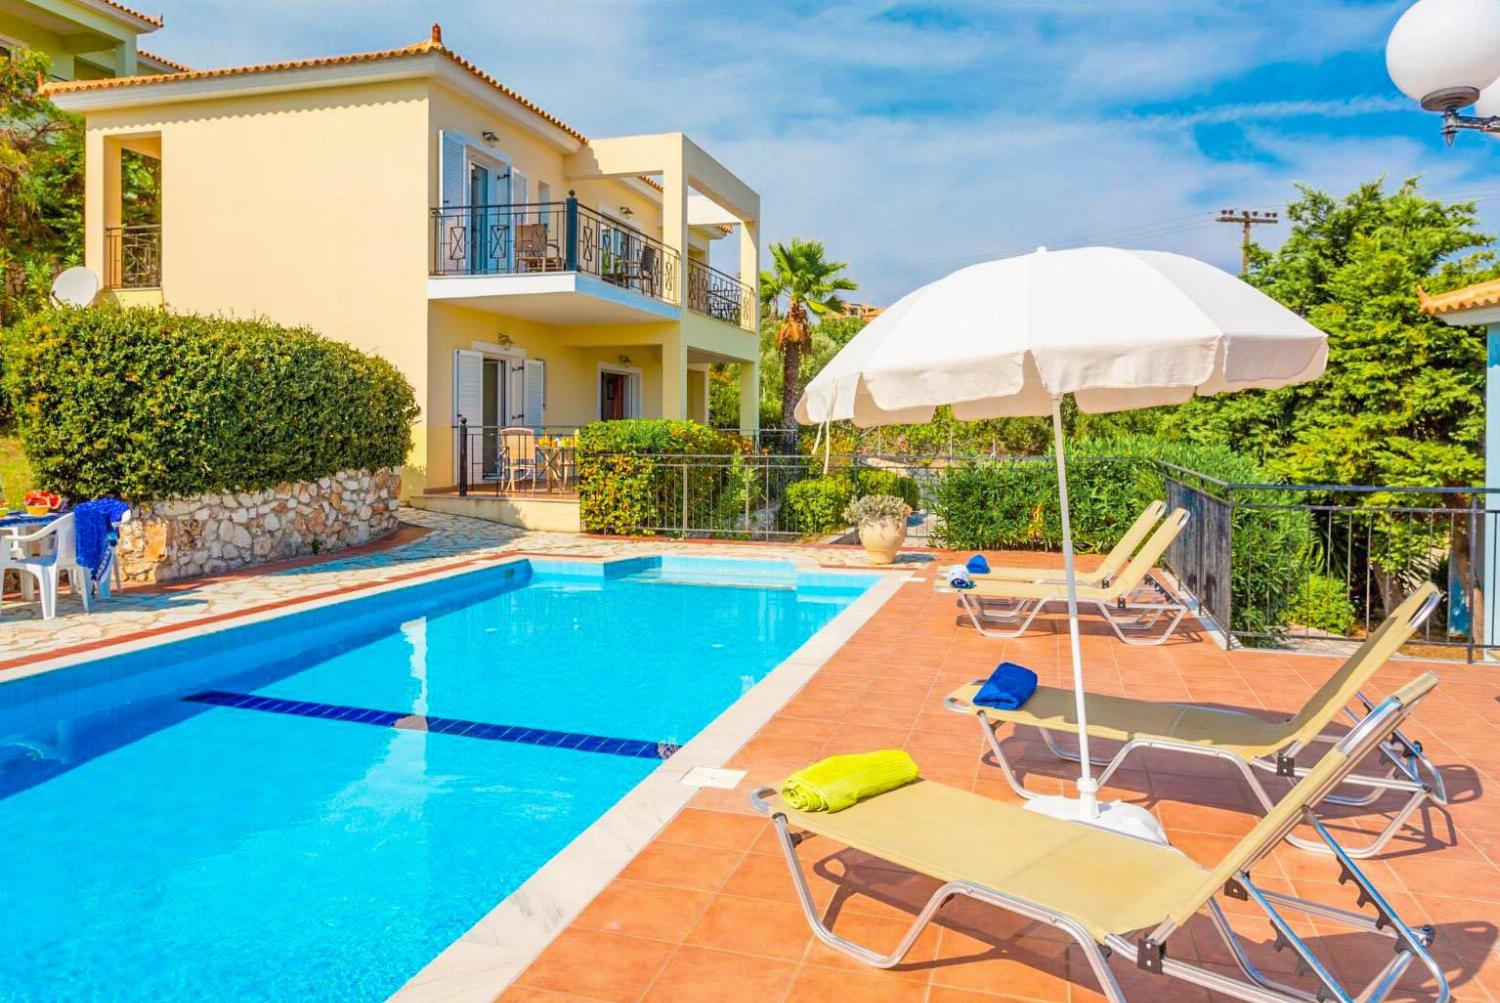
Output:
(82, 39)
(518, 272)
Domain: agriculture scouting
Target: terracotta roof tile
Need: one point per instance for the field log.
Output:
(148, 18)
(179, 67)
(1467, 298)
(423, 47)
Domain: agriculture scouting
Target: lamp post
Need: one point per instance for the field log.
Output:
(1445, 54)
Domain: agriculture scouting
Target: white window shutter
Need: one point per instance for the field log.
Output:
(515, 393)
(518, 187)
(468, 387)
(535, 395)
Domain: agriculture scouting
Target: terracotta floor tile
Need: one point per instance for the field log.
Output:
(698, 975)
(752, 926)
(602, 966)
(717, 829)
(815, 984)
(696, 867)
(639, 909)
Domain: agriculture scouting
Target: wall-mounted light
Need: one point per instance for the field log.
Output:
(504, 340)
(489, 137)
(624, 360)
(626, 211)
(1445, 55)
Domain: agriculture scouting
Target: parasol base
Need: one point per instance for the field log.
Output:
(1116, 816)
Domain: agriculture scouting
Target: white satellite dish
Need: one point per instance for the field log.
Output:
(76, 287)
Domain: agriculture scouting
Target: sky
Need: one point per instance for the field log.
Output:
(916, 138)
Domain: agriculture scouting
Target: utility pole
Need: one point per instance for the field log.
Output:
(1247, 218)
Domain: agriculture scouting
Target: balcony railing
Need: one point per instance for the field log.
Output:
(523, 239)
(720, 296)
(132, 257)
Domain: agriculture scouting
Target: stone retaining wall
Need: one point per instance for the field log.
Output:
(209, 534)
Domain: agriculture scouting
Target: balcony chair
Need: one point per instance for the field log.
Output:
(1252, 745)
(518, 449)
(1115, 895)
(535, 250)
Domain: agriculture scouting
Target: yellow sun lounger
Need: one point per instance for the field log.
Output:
(1116, 559)
(1115, 894)
(1132, 603)
(1250, 743)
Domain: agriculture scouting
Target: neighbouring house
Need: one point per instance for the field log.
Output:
(862, 311)
(518, 272)
(84, 39)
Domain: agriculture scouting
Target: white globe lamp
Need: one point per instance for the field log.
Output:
(1488, 105)
(1442, 53)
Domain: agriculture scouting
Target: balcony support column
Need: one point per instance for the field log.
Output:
(674, 376)
(749, 395)
(674, 216)
(750, 271)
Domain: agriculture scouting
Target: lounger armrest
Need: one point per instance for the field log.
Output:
(760, 799)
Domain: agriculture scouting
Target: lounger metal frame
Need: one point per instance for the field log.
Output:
(1150, 951)
(1409, 770)
(1132, 618)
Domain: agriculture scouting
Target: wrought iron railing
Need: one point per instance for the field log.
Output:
(720, 296)
(551, 237)
(132, 257)
(1313, 567)
(515, 459)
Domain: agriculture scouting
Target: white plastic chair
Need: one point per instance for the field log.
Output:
(48, 567)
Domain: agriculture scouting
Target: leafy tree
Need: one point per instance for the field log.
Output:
(1402, 400)
(41, 187)
(801, 286)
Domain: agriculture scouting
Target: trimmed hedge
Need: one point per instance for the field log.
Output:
(877, 481)
(623, 489)
(148, 405)
(1012, 504)
(816, 505)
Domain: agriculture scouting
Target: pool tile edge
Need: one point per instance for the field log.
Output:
(479, 966)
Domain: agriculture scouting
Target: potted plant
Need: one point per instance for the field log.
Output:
(882, 524)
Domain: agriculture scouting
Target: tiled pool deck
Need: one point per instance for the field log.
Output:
(706, 910)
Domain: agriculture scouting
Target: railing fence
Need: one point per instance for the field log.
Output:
(132, 257)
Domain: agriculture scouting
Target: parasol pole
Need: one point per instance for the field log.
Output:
(1088, 788)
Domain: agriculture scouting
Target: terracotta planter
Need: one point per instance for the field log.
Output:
(881, 538)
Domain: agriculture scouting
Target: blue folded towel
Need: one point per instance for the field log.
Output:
(978, 565)
(958, 577)
(1007, 688)
(95, 522)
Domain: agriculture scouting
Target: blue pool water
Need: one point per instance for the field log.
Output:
(299, 846)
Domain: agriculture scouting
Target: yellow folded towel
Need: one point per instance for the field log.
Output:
(837, 782)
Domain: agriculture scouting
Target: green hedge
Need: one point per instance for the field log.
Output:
(876, 481)
(147, 404)
(623, 489)
(816, 505)
(1013, 505)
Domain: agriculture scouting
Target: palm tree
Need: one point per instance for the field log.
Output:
(809, 287)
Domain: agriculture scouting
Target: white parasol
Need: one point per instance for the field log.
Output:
(1117, 329)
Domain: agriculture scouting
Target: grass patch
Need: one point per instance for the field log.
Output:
(15, 472)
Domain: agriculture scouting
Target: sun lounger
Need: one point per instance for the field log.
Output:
(1252, 744)
(1116, 559)
(1114, 894)
(1133, 603)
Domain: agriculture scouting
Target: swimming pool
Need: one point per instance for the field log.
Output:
(313, 806)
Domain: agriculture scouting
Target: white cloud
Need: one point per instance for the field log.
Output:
(917, 138)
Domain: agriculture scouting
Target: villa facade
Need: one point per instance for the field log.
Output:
(82, 39)
(518, 272)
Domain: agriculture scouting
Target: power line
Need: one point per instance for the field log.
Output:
(1247, 219)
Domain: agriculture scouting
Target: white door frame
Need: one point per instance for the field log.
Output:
(635, 386)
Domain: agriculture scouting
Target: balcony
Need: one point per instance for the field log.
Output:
(721, 296)
(558, 262)
(132, 257)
